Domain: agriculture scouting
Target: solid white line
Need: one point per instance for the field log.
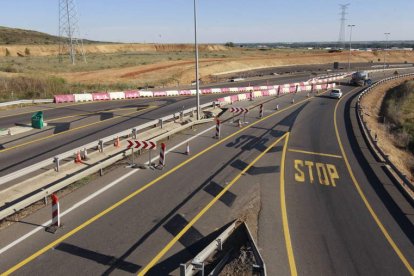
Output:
(95, 194)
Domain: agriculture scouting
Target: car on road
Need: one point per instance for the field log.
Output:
(335, 93)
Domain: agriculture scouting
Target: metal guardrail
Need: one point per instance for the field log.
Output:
(70, 153)
(41, 193)
(26, 102)
(373, 143)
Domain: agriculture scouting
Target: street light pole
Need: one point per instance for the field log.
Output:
(196, 60)
(350, 41)
(386, 46)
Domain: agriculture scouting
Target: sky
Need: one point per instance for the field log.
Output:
(219, 21)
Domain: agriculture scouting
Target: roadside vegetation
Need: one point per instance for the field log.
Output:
(397, 113)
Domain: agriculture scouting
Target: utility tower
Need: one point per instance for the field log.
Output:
(69, 33)
(341, 39)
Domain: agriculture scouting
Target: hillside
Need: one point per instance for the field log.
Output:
(28, 37)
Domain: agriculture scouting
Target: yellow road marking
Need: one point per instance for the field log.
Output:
(140, 190)
(288, 241)
(91, 113)
(365, 200)
(51, 108)
(315, 153)
(206, 208)
(71, 130)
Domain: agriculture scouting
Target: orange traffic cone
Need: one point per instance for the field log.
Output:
(78, 158)
(187, 150)
(117, 143)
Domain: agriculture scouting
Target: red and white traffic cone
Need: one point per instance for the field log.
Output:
(162, 156)
(78, 158)
(55, 211)
(187, 150)
(117, 144)
(218, 127)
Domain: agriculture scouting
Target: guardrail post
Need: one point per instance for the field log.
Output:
(161, 122)
(134, 133)
(181, 116)
(57, 163)
(183, 267)
(100, 146)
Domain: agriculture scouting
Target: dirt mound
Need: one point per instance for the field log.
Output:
(50, 50)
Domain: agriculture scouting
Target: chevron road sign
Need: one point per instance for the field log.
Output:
(239, 110)
(141, 144)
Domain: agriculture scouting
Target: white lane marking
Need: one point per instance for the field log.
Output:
(95, 194)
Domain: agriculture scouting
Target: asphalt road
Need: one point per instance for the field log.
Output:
(316, 201)
(74, 125)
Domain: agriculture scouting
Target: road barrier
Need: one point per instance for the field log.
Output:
(162, 155)
(283, 89)
(55, 211)
(398, 176)
(256, 91)
(218, 128)
(187, 149)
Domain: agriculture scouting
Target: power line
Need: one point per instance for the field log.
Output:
(341, 39)
(69, 32)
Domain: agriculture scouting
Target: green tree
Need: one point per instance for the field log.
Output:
(229, 44)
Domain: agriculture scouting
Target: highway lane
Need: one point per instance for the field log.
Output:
(26, 149)
(148, 222)
(9, 118)
(331, 229)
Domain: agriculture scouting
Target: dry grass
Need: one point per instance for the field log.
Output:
(390, 138)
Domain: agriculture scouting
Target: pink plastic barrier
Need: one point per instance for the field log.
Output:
(185, 92)
(64, 98)
(100, 96)
(160, 94)
(131, 94)
(225, 90)
(265, 93)
(292, 89)
(220, 99)
(256, 88)
(234, 98)
(206, 91)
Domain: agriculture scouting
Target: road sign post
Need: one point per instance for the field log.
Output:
(149, 145)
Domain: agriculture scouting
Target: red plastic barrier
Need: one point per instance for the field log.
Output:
(159, 94)
(64, 98)
(185, 92)
(206, 91)
(220, 99)
(131, 94)
(234, 98)
(100, 96)
(292, 89)
(256, 88)
(225, 90)
(265, 93)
